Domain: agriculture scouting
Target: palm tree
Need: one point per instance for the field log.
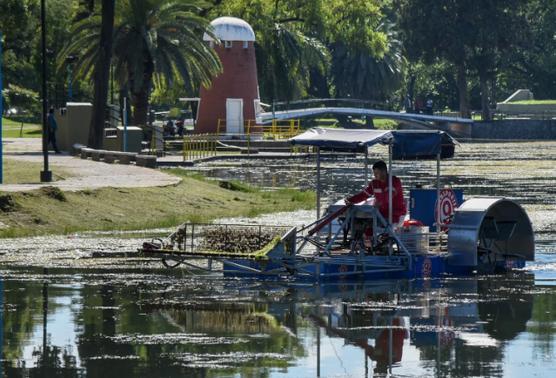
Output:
(287, 56)
(357, 73)
(102, 74)
(152, 39)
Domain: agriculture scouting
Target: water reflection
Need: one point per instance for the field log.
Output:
(179, 327)
(109, 318)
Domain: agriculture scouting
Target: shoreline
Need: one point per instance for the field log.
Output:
(52, 211)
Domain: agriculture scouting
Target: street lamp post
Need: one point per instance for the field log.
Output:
(1, 115)
(70, 59)
(46, 174)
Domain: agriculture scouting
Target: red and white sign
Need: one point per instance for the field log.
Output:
(448, 204)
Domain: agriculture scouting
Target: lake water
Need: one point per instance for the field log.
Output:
(66, 314)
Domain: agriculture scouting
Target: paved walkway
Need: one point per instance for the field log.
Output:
(84, 174)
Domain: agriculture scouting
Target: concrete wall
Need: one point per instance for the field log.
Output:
(517, 129)
(73, 124)
(511, 108)
(508, 129)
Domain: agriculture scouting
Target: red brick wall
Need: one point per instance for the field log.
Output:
(239, 80)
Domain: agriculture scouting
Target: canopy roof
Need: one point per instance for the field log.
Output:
(407, 144)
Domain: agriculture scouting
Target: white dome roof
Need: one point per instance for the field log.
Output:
(231, 29)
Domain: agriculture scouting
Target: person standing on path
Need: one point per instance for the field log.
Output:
(52, 127)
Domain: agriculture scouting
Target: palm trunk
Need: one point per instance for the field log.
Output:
(461, 79)
(485, 105)
(140, 97)
(102, 75)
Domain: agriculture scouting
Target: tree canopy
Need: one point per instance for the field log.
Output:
(466, 55)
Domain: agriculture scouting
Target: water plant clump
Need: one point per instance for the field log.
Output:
(238, 240)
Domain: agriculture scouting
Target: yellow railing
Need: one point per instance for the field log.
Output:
(197, 146)
(279, 129)
(282, 129)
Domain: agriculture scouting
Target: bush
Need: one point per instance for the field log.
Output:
(23, 98)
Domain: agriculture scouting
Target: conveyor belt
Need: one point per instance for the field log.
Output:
(205, 254)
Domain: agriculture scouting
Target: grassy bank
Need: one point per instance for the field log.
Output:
(21, 172)
(15, 129)
(195, 199)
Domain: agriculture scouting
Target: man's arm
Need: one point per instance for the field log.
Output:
(361, 196)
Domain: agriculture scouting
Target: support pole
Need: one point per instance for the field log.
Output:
(390, 184)
(318, 182)
(1, 115)
(390, 196)
(46, 174)
(125, 125)
(366, 165)
(318, 350)
(438, 193)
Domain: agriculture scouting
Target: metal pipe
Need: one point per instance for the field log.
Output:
(318, 182)
(125, 126)
(46, 175)
(366, 165)
(1, 115)
(390, 184)
(438, 192)
(390, 196)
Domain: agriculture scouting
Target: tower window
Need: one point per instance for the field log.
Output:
(228, 44)
(245, 44)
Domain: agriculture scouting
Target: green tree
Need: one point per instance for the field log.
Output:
(365, 73)
(102, 75)
(152, 38)
(532, 63)
(472, 35)
(438, 29)
(286, 44)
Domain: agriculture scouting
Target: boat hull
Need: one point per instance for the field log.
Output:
(355, 268)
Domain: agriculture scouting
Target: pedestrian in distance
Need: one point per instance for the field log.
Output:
(428, 106)
(408, 104)
(52, 128)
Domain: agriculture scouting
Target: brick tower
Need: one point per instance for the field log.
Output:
(234, 94)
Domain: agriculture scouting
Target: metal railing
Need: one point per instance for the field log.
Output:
(282, 129)
(197, 146)
(279, 129)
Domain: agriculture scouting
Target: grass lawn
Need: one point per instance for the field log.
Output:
(21, 172)
(13, 129)
(535, 102)
(52, 211)
(380, 123)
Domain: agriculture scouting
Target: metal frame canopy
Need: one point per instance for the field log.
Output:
(406, 144)
(402, 144)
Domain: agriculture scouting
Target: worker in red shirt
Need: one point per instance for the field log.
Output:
(379, 189)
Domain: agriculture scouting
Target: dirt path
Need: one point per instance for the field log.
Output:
(84, 174)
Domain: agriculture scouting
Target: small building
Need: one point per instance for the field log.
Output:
(234, 94)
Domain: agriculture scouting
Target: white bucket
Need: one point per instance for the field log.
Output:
(415, 238)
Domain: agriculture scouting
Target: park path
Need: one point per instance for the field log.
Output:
(83, 174)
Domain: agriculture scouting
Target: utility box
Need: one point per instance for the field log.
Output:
(423, 205)
(73, 124)
(111, 141)
(134, 138)
(114, 139)
(157, 137)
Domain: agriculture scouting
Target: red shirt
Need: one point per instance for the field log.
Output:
(380, 191)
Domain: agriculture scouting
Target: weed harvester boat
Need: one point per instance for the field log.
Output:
(443, 235)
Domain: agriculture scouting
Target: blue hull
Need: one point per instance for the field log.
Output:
(423, 266)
